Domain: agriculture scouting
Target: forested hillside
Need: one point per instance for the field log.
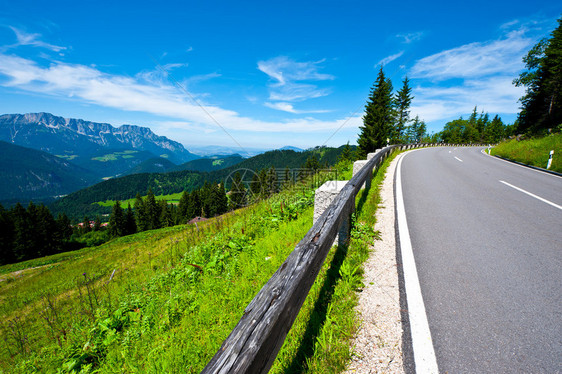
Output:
(82, 202)
(27, 174)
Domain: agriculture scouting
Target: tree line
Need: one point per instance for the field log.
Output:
(387, 117)
(32, 232)
(541, 106)
(478, 128)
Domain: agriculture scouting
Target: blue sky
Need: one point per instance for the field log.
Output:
(262, 74)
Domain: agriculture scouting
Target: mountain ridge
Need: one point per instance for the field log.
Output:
(70, 136)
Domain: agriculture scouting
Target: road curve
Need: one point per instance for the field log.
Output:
(488, 253)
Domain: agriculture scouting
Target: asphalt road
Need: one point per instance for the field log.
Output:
(489, 260)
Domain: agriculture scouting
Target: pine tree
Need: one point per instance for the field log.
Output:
(402, 101)
(64, 226)
(377, 121)
(6, 237)
(182, 207)
(206, 196)
(152, 211)
(97, 223)
(165, 214)
(23, 233)
(287, 181)
(256, 187)
(221, 201)
(140, 214)
(263, 182)
(312, 163)
(130, 221)
(194, 207)
(117, 220)
(237, 192)
(272, 181)
(346, 154)
(45, 227)
(494, 131)
(542, 103)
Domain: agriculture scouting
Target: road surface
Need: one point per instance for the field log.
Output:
(487, 241)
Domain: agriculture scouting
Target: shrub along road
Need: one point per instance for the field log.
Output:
(486, 236)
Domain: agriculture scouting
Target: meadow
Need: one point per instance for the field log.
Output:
(164, 300)
(533, 152)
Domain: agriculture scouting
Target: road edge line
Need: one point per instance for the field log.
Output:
(517, 163)
(422, 344)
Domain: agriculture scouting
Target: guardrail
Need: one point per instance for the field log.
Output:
(253, 344)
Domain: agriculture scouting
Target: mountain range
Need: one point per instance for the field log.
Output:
(74, 153)
(76, 139)
(45, 157)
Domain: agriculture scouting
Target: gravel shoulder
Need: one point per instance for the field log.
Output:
(378, 344)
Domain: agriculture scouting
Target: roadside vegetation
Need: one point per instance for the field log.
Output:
(533, 152)
(164, 300)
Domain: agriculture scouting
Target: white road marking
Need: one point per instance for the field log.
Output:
(458, 159)
(533, 195)
(422, 344)
(521, 166)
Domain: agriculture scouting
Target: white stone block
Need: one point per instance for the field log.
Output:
(323, 197)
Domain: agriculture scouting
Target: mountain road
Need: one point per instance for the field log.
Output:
(486, 236)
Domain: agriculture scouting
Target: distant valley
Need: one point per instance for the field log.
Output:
(46, 157)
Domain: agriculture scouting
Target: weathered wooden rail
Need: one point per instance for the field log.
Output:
(253, 344)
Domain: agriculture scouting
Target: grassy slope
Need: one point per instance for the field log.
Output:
(533, 151)
(176, 295)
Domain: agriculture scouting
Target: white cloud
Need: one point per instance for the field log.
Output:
(410, 37)
(287, 107)
(491, 94)
(482, 73)
(87, 84)
(288, 75)
(475, 59)
(389, 59)
(33, 40)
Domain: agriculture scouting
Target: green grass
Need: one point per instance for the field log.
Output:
(321, 339)
(185, 286)
(533, 152)
(67, 157)
(115, 156)
(171, 199)
(164, 300)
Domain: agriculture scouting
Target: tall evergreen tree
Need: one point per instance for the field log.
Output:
(166, 219)
(237, 192)
(402, 101)
(494, 131)
(221, 201)
(23, 233)
(141, 214)
(6, 237)
(152, 211)
(86, 225)
(130, 221)
(194, 207)
(117, 221)
(256, 186)
(64, 226)
(182, 207)
(272, 186)
(541, 107)
(377, 121)
(346, 154)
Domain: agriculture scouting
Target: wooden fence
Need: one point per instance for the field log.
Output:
(253, 344)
